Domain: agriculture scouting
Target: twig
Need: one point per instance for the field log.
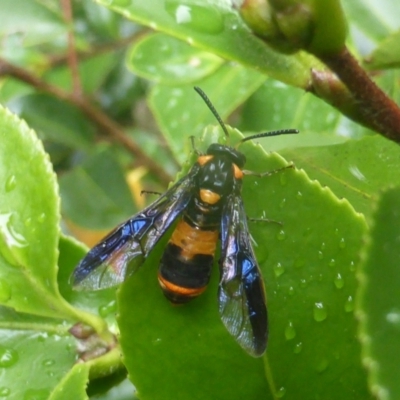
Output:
(378, 110)
(108, 126)
(72, 57)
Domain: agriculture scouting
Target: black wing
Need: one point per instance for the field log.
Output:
(241, 295)
(124, 250)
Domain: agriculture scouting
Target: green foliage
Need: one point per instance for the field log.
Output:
(315, 281)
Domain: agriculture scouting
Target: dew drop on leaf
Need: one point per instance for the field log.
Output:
(339, 282)
(11, 183)
(281, 392)
(281, 235)
(278, 269)
(349, 305)
(4, 391)
(298, 347)
(8, 357)
(319, 312)
(290, 332)
(203, 18)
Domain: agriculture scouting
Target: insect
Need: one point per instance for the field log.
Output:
(208, 205)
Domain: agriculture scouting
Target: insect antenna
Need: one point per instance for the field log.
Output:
(212, 109)
(266, 134)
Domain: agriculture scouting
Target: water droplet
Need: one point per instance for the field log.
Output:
(28, 222)
(108, 309)
(393, 317)
(158, 340)
(297, 348)
(281, 392)
(41, 218)
(332, 262)
(320, 255)
(290, 332)
(352, 266)
(282, 203)
(11, 236)
(4, 391)
(48, 362)
(279, 269)
(291, 291)
(281, 235)
(342, 243)
(339, 282)
(319, 312)
(11, 183)
(299, 195)
(283, 179)
(349, 305)
(8, 357)
(5, 290)
(303, 283)
(323, 246)
(322, 365)
(203, 18)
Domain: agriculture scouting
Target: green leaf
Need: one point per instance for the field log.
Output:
(95, 195)
(34, 19)
(378, 299)
(33, 350)
(181, 113)
(216, 27)
(55, 120)
(185, 63)
(73, 385)
(386, 55)
(347, 168)
(29, 227)
(28, 211)
(374, 19)
(308, 265)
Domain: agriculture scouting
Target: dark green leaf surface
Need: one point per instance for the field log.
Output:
(185, 63)
(378, 300)
(95, 195)
(216, 27)
(348, 169)
(308, 265)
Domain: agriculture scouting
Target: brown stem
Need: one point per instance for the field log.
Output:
(72, 57)
(378, 110)
(108, 126)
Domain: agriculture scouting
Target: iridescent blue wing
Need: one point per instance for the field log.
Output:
(124, 250)
(241, 295)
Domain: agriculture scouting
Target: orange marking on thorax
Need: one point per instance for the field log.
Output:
(204, 159)
(192, 240)
(238, 173)
(209, 197)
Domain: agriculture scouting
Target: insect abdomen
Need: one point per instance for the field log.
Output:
(185, 267)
